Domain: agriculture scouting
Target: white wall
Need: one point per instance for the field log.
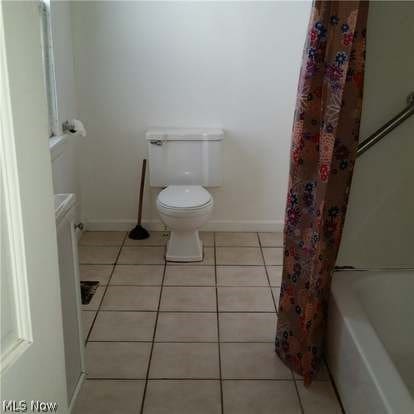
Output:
(234, 65)
(65, 167)
(380, 225)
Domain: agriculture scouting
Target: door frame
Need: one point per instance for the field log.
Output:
(10, 183)
(33, 333)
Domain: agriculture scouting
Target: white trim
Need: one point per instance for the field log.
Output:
(75, 240)
(214, 225)
(11, 186)
(57, 146)
(49, 67)
(78, 387)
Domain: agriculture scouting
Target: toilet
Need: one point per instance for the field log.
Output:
(184, 161)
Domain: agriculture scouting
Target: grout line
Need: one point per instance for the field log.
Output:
(331, 380)
(100, 245)
(274, 302)
(218, 326)
(179, 311)
(139, 264)
(205, 245)
(268, 278)
(191, 285)
(147, 341)
(218, 379)
(144, 394)
(218, 265)
(105, 290)
(192, 341)
(297, 394)
(132, 379)
(182, 264)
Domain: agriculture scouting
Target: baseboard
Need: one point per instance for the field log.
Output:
(214, 225)
(244, 225)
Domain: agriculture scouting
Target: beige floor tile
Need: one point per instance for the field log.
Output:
(202, 299)
(190, 276)
(95, 301)
(186, 327)
(98, 254)
(207, 237)
(275, 275)
(273, 256)
(183, 397)
(247, 327)
(109, 397)
(140, 298)
(237, 239)
(142, 255)
(252, 361)
(102, 238)
(118, 360)
(271, 239)
(123, 326)
(246, 299)
(208, 259)
(185, 360)
(87, 320)
(276, 294)
(238, 256)
(322, 375)
(157, 238)
(95, 273)
(264, 397)
(139, 275)
(319, 398)
(241, 276)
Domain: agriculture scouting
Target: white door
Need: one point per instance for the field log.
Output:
(32, 354)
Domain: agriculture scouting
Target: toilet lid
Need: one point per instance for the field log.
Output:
(184, 196)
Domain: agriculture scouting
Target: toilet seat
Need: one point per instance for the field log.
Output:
(184, 213)
(184, 198)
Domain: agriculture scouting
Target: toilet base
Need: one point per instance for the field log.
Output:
(184, 246)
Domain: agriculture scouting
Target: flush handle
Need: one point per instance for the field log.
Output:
(156, 142)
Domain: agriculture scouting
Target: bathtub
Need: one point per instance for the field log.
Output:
(370, 341)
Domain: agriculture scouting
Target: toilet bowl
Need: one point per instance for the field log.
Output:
(184, 209)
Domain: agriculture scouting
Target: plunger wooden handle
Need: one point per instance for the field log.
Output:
(141, 190)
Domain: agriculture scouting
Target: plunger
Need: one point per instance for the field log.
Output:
(138, 232)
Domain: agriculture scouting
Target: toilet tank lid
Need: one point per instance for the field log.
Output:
(184, 134)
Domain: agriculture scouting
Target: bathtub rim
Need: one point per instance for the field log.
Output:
(391, 388)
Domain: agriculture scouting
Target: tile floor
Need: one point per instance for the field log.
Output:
(188, 338)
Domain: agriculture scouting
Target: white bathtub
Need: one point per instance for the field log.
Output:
(370, 345)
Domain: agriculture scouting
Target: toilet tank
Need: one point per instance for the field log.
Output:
(185, 156)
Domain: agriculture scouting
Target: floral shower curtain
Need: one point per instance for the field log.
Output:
(324, 141)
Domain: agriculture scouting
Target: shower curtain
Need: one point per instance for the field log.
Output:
(324, 141)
